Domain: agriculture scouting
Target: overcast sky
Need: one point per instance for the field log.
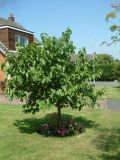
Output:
(86, 18)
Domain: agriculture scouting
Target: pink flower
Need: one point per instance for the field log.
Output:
(62, 132)
(58, 131)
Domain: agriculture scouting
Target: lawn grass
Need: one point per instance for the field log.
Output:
(19, 140)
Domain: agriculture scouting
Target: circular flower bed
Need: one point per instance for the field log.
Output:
(66, 129)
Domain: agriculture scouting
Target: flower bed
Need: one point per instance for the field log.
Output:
(66, 129)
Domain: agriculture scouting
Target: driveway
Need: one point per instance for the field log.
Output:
(5, 100)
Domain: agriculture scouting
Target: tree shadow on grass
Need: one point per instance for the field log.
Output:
(31, 125)
(109, 142)
(117, 87)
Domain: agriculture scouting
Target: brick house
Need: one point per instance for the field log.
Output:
(11, 33)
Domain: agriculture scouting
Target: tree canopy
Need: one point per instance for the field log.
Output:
(44, 72)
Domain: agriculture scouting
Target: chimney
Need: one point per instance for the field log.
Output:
(11, 18)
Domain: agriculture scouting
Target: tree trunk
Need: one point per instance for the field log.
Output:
(59, 116)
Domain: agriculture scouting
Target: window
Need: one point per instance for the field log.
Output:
(23, 41)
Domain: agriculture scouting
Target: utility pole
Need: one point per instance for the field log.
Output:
(93, 39)
(94, 67)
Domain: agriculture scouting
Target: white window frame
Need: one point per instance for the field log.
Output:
(19, 39)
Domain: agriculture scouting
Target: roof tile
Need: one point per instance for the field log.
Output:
(6, 22)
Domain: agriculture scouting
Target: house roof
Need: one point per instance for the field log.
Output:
(74, 57)
(11, 23)
(5, 22)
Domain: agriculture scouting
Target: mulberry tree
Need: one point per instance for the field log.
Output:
(45, 72)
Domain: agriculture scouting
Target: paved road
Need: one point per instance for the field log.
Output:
(5, 100)
(112, 84)
(113, 104)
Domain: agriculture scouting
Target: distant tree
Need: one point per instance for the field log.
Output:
(105, 58)
(116, 71)
(112, 72)
(44, 72)
(107, 71)
(105, 63)
(109, 67)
